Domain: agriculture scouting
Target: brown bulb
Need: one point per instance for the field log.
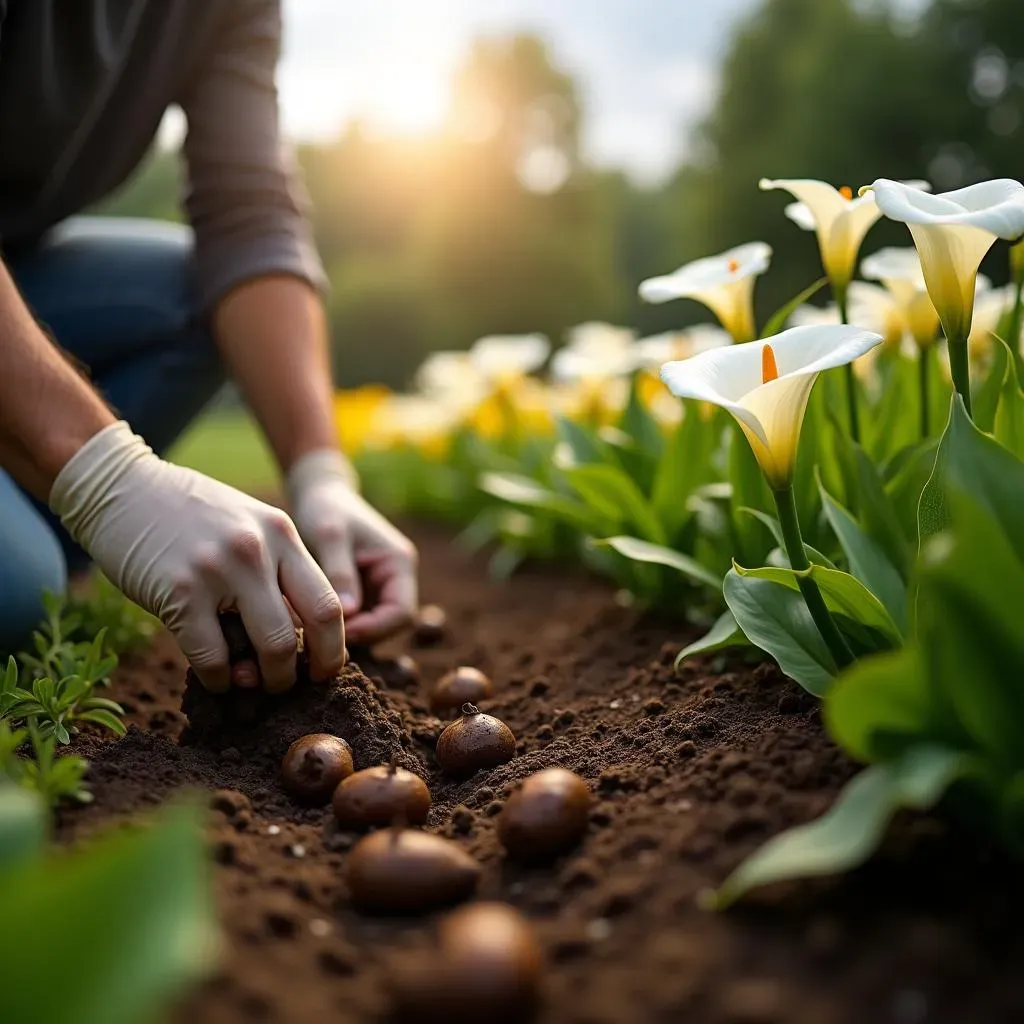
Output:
(314, 765)
(403, 871)
(545, 816)
(464, 685)
(488, 967)
(430, 626)
(474, 741)
(380, 796)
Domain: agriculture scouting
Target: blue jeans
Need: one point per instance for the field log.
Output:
(117, 294)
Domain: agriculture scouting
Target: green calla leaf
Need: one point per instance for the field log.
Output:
(23, 826)
(775, 619)
(611, 492)
(724, 633)
(775, 528)
(527, 493)
(149, 889)
(844, 595)
(852, 829)
(985, 399)
(1009, 420)
(778, 320)
(877, 514)
(638, 550)
(867, 561)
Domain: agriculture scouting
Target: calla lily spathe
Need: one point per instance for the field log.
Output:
(499, 357)
(840, 220)
(594, 352)
(766, 385)
(899, 270)
(953, 231)
(723, 283)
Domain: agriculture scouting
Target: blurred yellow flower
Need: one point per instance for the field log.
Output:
(354, 415)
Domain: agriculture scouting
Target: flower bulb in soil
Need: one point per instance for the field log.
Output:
(430, 626)
(488, 967)
(464, 685)
(380, 796)
(547, 815)
(403, 871)
(314, 765)
(474, 741)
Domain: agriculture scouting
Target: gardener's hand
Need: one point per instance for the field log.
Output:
(371, 565)
(186, 547)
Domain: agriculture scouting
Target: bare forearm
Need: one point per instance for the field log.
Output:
(273, 337)
(47, 411)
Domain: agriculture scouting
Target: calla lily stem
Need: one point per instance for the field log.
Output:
(960, 369)
(851, 380)
(790, 523)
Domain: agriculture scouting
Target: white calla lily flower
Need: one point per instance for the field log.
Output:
(502, 356)
(451, 378)
(651, 353)
(723, 283)
(953, 231)
(838, 217)
(765, 385)
(899, 270)
(595, 351)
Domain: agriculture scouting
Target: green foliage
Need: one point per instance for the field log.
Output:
(947, 708)
(125, 922)
(46, 699)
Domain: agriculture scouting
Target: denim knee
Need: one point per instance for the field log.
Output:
(31, 562)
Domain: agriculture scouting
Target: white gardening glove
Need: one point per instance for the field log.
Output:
(186, 547)
(371, 565)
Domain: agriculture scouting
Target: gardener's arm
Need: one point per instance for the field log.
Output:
(259, 278)
(181, 545)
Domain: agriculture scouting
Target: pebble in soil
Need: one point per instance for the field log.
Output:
(381, 796)
(313, 766)
(546, 816)
(463, 685)
(487, 965)
(474, 741)
(403, 871)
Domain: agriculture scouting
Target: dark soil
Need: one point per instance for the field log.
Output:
(690, 773)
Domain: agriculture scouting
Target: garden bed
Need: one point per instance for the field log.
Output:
(691, 772)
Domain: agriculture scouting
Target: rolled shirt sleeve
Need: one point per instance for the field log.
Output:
(244, 199)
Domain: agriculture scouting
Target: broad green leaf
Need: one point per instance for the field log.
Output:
(981, 467)
(639, 424)
(877, 514)
(868, 562)
(776, 619)
(778, 320)
(881, 706)
(608, 489)
(125, 923)
(985, 398)
(638, 550)
(583, 442)
(894, 422)
(724, 633)
(685, 465)
(852, 829)
(521, 490)
(971, 583)
(1009, 421)
(23, 822)
(107, 719)
(844, 595)
(905, 481)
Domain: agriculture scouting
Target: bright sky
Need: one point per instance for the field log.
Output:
(647, 69)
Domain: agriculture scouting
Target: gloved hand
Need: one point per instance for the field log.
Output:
(371, 565)
(185, 547)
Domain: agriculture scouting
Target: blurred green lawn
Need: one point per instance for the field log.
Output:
(227, 445)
